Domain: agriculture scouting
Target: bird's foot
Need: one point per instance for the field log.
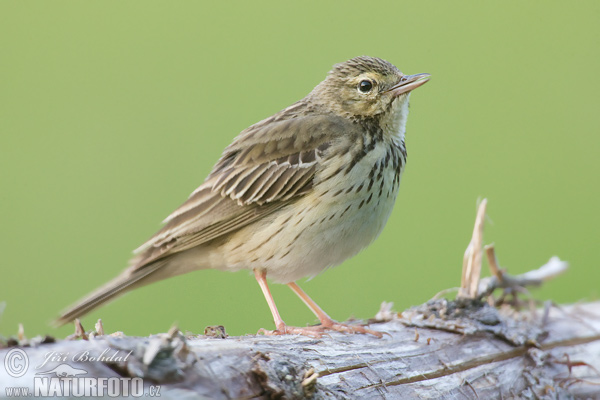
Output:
(312, 331)
(317, 331)
(347, 328)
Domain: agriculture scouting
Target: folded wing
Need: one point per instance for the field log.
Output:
(268, 166)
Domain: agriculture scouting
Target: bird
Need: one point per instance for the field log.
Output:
(293, 195)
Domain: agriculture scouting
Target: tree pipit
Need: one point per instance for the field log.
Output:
(294, 194)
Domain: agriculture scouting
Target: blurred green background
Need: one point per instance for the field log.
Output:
(112, 112)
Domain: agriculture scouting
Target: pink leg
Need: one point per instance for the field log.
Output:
(261, 277)
(326, 321)
(314, 307)
(282, 328)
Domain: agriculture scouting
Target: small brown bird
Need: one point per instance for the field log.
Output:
(294, 194)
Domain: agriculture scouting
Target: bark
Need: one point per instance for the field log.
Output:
(443, 349)
(461, 349)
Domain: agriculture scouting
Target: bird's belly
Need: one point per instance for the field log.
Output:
(343, 236)
(319, 231)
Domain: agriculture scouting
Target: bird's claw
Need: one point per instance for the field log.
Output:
(293, 330)
(317, 331)
(345, 328)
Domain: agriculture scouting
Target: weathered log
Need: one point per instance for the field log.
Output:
(558, 358)
(465, 348)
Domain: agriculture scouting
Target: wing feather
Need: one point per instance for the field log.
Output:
(202, 195)
(246, 183)
(266, 168)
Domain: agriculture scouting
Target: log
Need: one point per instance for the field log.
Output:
(475, 346)
(548, 356)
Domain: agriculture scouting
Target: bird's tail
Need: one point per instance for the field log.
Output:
(120, 285)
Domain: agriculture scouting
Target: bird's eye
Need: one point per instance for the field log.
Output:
(365, 86)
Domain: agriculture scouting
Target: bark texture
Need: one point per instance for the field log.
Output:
(442, 349)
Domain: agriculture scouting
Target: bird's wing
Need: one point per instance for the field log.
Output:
(267, 167)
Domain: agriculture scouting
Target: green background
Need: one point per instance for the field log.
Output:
(111, 113)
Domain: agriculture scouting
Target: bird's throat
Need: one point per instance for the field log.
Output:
(393, 123)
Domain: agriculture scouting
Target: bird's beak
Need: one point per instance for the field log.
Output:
(408, 83)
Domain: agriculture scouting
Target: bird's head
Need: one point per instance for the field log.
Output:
(366, 87)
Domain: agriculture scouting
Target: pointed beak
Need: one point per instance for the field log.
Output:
(408, 83)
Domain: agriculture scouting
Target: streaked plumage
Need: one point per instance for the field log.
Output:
(294, 194)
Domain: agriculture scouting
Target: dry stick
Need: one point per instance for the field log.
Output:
(472, 267)
(554, 267)
(472, 286)
(21, 333)
(99, 328)
(490, 252)
(472, 258)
